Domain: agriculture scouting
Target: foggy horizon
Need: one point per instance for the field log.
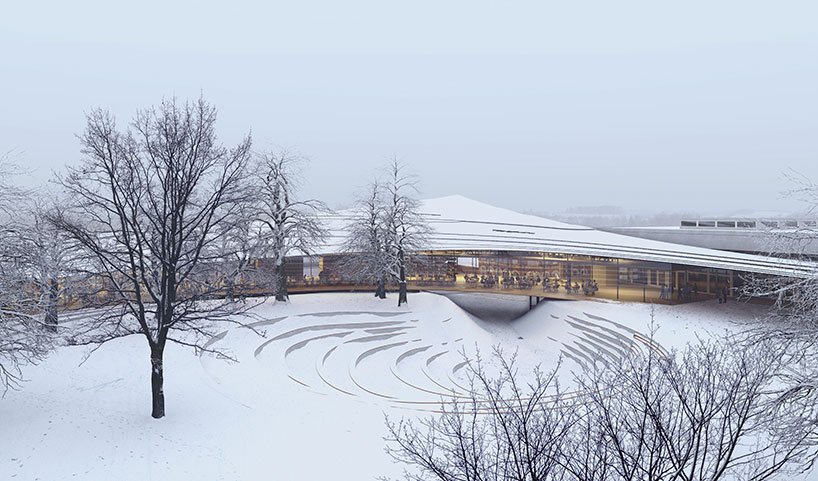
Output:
(535, 108)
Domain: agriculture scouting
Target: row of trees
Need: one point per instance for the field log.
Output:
(163, 227)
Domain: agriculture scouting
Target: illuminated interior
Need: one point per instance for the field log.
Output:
(535, 274)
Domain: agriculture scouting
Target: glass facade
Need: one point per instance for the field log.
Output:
(536, 274)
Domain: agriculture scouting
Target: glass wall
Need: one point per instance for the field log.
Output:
(540, 274)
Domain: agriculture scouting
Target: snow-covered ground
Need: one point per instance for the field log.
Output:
(307, 398)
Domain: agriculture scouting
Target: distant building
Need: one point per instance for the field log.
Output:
(773, 236)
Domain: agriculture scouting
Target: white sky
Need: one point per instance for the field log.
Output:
(695, 105)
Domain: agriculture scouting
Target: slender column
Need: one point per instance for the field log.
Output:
(617, 279)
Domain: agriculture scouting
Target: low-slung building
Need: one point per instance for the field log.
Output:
(748, 235)
(478, 247)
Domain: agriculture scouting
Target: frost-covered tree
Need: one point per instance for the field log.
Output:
(290, 225)
(368, 258)
(405, 229)
(23, 339)
(385, 230)
(48, 256)
(706, 413)
(243, 243)
(792, 322)
(505, 430)
(148, 206)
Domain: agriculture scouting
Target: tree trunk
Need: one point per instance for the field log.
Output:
(230, 291)
(380, 292)
(402, 286)
(157, 383)
(51, 311)
(281, 283)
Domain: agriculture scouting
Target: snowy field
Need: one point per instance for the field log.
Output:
(306, 399)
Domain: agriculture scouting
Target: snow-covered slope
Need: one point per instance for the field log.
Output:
(460, 208)
(306, 399)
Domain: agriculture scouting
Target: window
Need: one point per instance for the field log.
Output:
(468, 262)
(311, 266)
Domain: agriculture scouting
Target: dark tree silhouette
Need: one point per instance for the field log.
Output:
(148, 205)
(706, 413)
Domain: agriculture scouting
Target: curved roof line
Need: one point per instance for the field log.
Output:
(459, 223)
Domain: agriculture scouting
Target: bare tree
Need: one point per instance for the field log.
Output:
(148, 206)
(292, 225)
(47, 255)
(244, 242)
(792, 322)
(12, 196)
(705, 414)
(505, 430)
(405, 228)
(385, 231)
(368, 258)
(796, 297)
(23, 339)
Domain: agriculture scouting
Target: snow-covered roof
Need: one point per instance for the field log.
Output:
(460, 223)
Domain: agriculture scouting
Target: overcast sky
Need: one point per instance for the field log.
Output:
(537, 106)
